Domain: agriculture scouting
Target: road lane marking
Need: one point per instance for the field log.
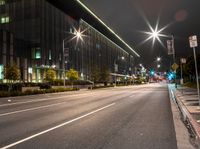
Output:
(49, 99)
(31, 109)
(41, 99)
(52, 98)
(56, 127)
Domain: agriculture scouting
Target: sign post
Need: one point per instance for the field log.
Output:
(171, 51)
(183, 61)
(194, 44)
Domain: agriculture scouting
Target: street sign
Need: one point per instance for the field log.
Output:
(193, 41)
(183, 61)
(170, 47)
(175, 66)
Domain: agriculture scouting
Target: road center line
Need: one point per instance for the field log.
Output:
(56, 127)
(31, 109)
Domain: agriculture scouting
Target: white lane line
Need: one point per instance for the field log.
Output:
(38, 100)
(56, 127)
(31, 109)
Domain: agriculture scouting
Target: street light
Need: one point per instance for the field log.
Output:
(158, 59)
(156, 34)
(78, 35)
(116, 68)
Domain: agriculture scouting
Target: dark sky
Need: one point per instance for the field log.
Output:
(126, 18)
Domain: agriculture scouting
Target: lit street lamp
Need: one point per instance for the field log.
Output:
(158, 59)
(78, 35)
(156, 34)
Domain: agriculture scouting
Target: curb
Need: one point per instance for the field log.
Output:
(187, 117)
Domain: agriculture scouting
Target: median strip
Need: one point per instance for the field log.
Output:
(56, 127)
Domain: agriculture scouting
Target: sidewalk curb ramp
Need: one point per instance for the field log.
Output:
(187, 117)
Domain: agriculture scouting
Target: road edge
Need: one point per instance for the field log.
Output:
(183, 137)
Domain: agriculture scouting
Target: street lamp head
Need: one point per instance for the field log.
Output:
(158, 59)
(78, 34)
(158, 66)
(123, 57)
(155, 34)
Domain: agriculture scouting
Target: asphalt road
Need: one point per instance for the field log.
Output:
(137, 117)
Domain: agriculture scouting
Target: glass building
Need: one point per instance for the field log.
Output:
(33, 32)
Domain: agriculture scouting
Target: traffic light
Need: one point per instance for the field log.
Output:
(171, 75)
(152, 72)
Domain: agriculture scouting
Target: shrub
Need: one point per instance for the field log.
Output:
(4, 94)
(17, 87)
(16, 93)
(35, 92)
(98, 87)
(45, 86)
(4, 87)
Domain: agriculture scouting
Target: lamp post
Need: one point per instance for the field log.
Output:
(78, 35)
(64, 61)
(116, 68)
(155, 34)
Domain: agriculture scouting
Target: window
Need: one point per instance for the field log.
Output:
(1, 72)
(37, 54)
(98, 46)
(2, 2)
(49, 54)
(5, 20)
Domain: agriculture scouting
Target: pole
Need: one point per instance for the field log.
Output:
(197, 78)
(181, 73)
(181, 76)
(115, 72)
(173, 48)
(174, 60)
(64, 62)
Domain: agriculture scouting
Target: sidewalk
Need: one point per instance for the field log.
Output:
(187, 101)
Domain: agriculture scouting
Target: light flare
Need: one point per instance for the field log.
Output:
(155, 33)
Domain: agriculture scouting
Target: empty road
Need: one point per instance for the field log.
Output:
(135, 117)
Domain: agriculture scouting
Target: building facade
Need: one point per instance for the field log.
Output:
(33, 33)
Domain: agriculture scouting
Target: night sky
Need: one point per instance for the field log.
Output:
(127, 19)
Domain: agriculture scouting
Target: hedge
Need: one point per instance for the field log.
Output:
(35, 92)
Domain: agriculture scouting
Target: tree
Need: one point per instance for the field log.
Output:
(105, 75)
(12, 73)
(189, 68)
(72, 75)
(50, 75)
(95, 74)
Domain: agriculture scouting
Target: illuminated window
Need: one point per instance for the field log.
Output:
(5, 20)
(49, 54)
(2, 2)
(37, 54)
(1, 72)
(98, 46)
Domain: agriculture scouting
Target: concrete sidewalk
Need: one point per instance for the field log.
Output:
(186, 100)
